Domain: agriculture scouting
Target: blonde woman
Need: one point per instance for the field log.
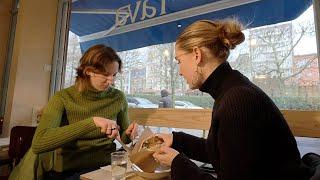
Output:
(79, 124)
(249, 138)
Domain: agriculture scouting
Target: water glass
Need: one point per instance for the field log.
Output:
(119, 161)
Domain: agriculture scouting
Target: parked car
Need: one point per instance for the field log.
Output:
(137, 102)
(185, 105)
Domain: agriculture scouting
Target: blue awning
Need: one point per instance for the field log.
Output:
(149, 22)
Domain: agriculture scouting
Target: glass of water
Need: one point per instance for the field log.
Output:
(119, 161)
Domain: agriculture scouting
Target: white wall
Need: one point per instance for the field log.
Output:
(5, 18)
(33, 48)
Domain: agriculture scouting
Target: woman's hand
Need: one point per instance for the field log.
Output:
(132, 130)
(167, 138)
(165, 155)
(107, 126)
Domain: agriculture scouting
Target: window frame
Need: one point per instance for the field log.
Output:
(200, 118)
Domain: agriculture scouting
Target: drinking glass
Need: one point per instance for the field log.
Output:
(119, 161)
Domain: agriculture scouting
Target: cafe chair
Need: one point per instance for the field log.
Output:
(20, 142)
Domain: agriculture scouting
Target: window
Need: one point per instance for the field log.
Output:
(282, 60)
(279, 58)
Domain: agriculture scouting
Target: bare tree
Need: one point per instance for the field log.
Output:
(131, 59)
(73, 57)
(159, 57)
(272, 51)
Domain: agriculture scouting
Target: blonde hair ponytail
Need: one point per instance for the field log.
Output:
(218, 36)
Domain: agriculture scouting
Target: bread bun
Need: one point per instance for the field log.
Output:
(152, 144)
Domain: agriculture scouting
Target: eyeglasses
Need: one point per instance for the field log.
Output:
(104, 77)
(178, 57)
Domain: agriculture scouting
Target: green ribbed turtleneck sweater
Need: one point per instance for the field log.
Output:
(67, 138)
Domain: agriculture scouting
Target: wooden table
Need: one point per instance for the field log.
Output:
(4, 147)
(103, 174)
(4, 142)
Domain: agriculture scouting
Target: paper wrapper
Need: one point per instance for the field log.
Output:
(142, 157)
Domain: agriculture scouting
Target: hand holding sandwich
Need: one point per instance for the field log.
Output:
(165, 155)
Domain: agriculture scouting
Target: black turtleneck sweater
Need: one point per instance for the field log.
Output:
(249, 138)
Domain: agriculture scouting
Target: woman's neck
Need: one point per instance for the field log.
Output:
(210, 66)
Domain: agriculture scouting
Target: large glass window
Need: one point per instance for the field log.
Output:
(282, 60)
(279, 58)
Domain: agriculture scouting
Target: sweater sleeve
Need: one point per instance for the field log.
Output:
(49, 135)
(238, 136)
(123, 120)
(192, 146)
(183, 168)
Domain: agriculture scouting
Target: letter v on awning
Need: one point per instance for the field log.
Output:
(130, 24)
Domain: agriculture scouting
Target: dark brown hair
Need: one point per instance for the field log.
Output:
(95, 59)
(219, 36)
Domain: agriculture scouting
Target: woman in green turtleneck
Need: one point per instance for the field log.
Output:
(79, 124)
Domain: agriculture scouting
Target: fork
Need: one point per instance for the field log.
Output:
(125, 147)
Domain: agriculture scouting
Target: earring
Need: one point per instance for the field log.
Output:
(195, 81)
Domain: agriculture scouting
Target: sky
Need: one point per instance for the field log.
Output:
(307, 44)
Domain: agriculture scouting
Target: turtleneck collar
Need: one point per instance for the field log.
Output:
(94, 94)
(213, 84)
